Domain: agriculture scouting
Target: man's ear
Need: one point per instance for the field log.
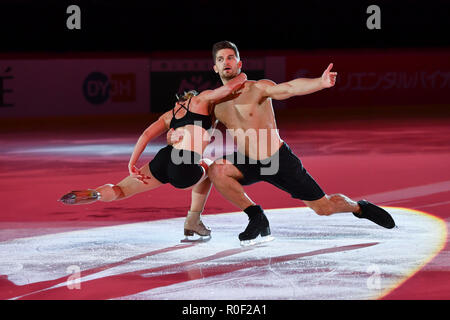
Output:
(215, 69)
(240, 65)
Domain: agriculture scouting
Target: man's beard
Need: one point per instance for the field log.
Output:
(228, 76)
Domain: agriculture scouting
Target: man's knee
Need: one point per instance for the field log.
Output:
(219, 170)
(215, 171)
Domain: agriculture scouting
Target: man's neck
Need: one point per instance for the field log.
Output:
(225, 81)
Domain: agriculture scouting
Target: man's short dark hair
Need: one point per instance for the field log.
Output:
(224, 45)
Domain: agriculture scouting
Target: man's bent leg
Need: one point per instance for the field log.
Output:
(225, 177)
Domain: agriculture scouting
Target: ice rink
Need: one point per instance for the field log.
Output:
(312, 257)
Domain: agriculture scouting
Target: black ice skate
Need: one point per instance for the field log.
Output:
(258, 226)
(375, 214)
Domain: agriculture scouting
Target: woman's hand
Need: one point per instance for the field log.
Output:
(173, 136)
(137, 174)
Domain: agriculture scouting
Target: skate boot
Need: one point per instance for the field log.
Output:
(258, 226)
(193, 226)
(80, 197)
(375, 214)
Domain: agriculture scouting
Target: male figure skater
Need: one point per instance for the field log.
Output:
(268, 158)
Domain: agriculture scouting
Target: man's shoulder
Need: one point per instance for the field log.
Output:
(264, 83)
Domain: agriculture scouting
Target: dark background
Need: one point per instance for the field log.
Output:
(145, 26)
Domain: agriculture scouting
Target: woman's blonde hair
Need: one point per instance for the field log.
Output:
(186, 95)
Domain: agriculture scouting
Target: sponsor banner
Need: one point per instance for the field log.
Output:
(170, 77)
(375, 78)
(64, 87)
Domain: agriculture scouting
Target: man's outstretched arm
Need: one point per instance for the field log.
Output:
(298, 87)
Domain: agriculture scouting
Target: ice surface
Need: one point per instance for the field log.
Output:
(312, 257)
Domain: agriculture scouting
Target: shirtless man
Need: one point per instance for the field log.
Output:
(250, 111)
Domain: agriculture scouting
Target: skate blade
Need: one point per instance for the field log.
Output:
(259, 240)
(193, 239)
(267, 238)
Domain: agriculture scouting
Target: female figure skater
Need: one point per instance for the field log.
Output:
(180, 164)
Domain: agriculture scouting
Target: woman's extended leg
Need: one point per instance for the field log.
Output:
(126, 188)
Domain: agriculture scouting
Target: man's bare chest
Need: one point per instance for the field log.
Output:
(233, 114)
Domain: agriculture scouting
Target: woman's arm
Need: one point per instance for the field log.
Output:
(211, 97)
(154, 130)
(214, 96)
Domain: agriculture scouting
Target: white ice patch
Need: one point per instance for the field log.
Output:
(86, 149)
(312, 257)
